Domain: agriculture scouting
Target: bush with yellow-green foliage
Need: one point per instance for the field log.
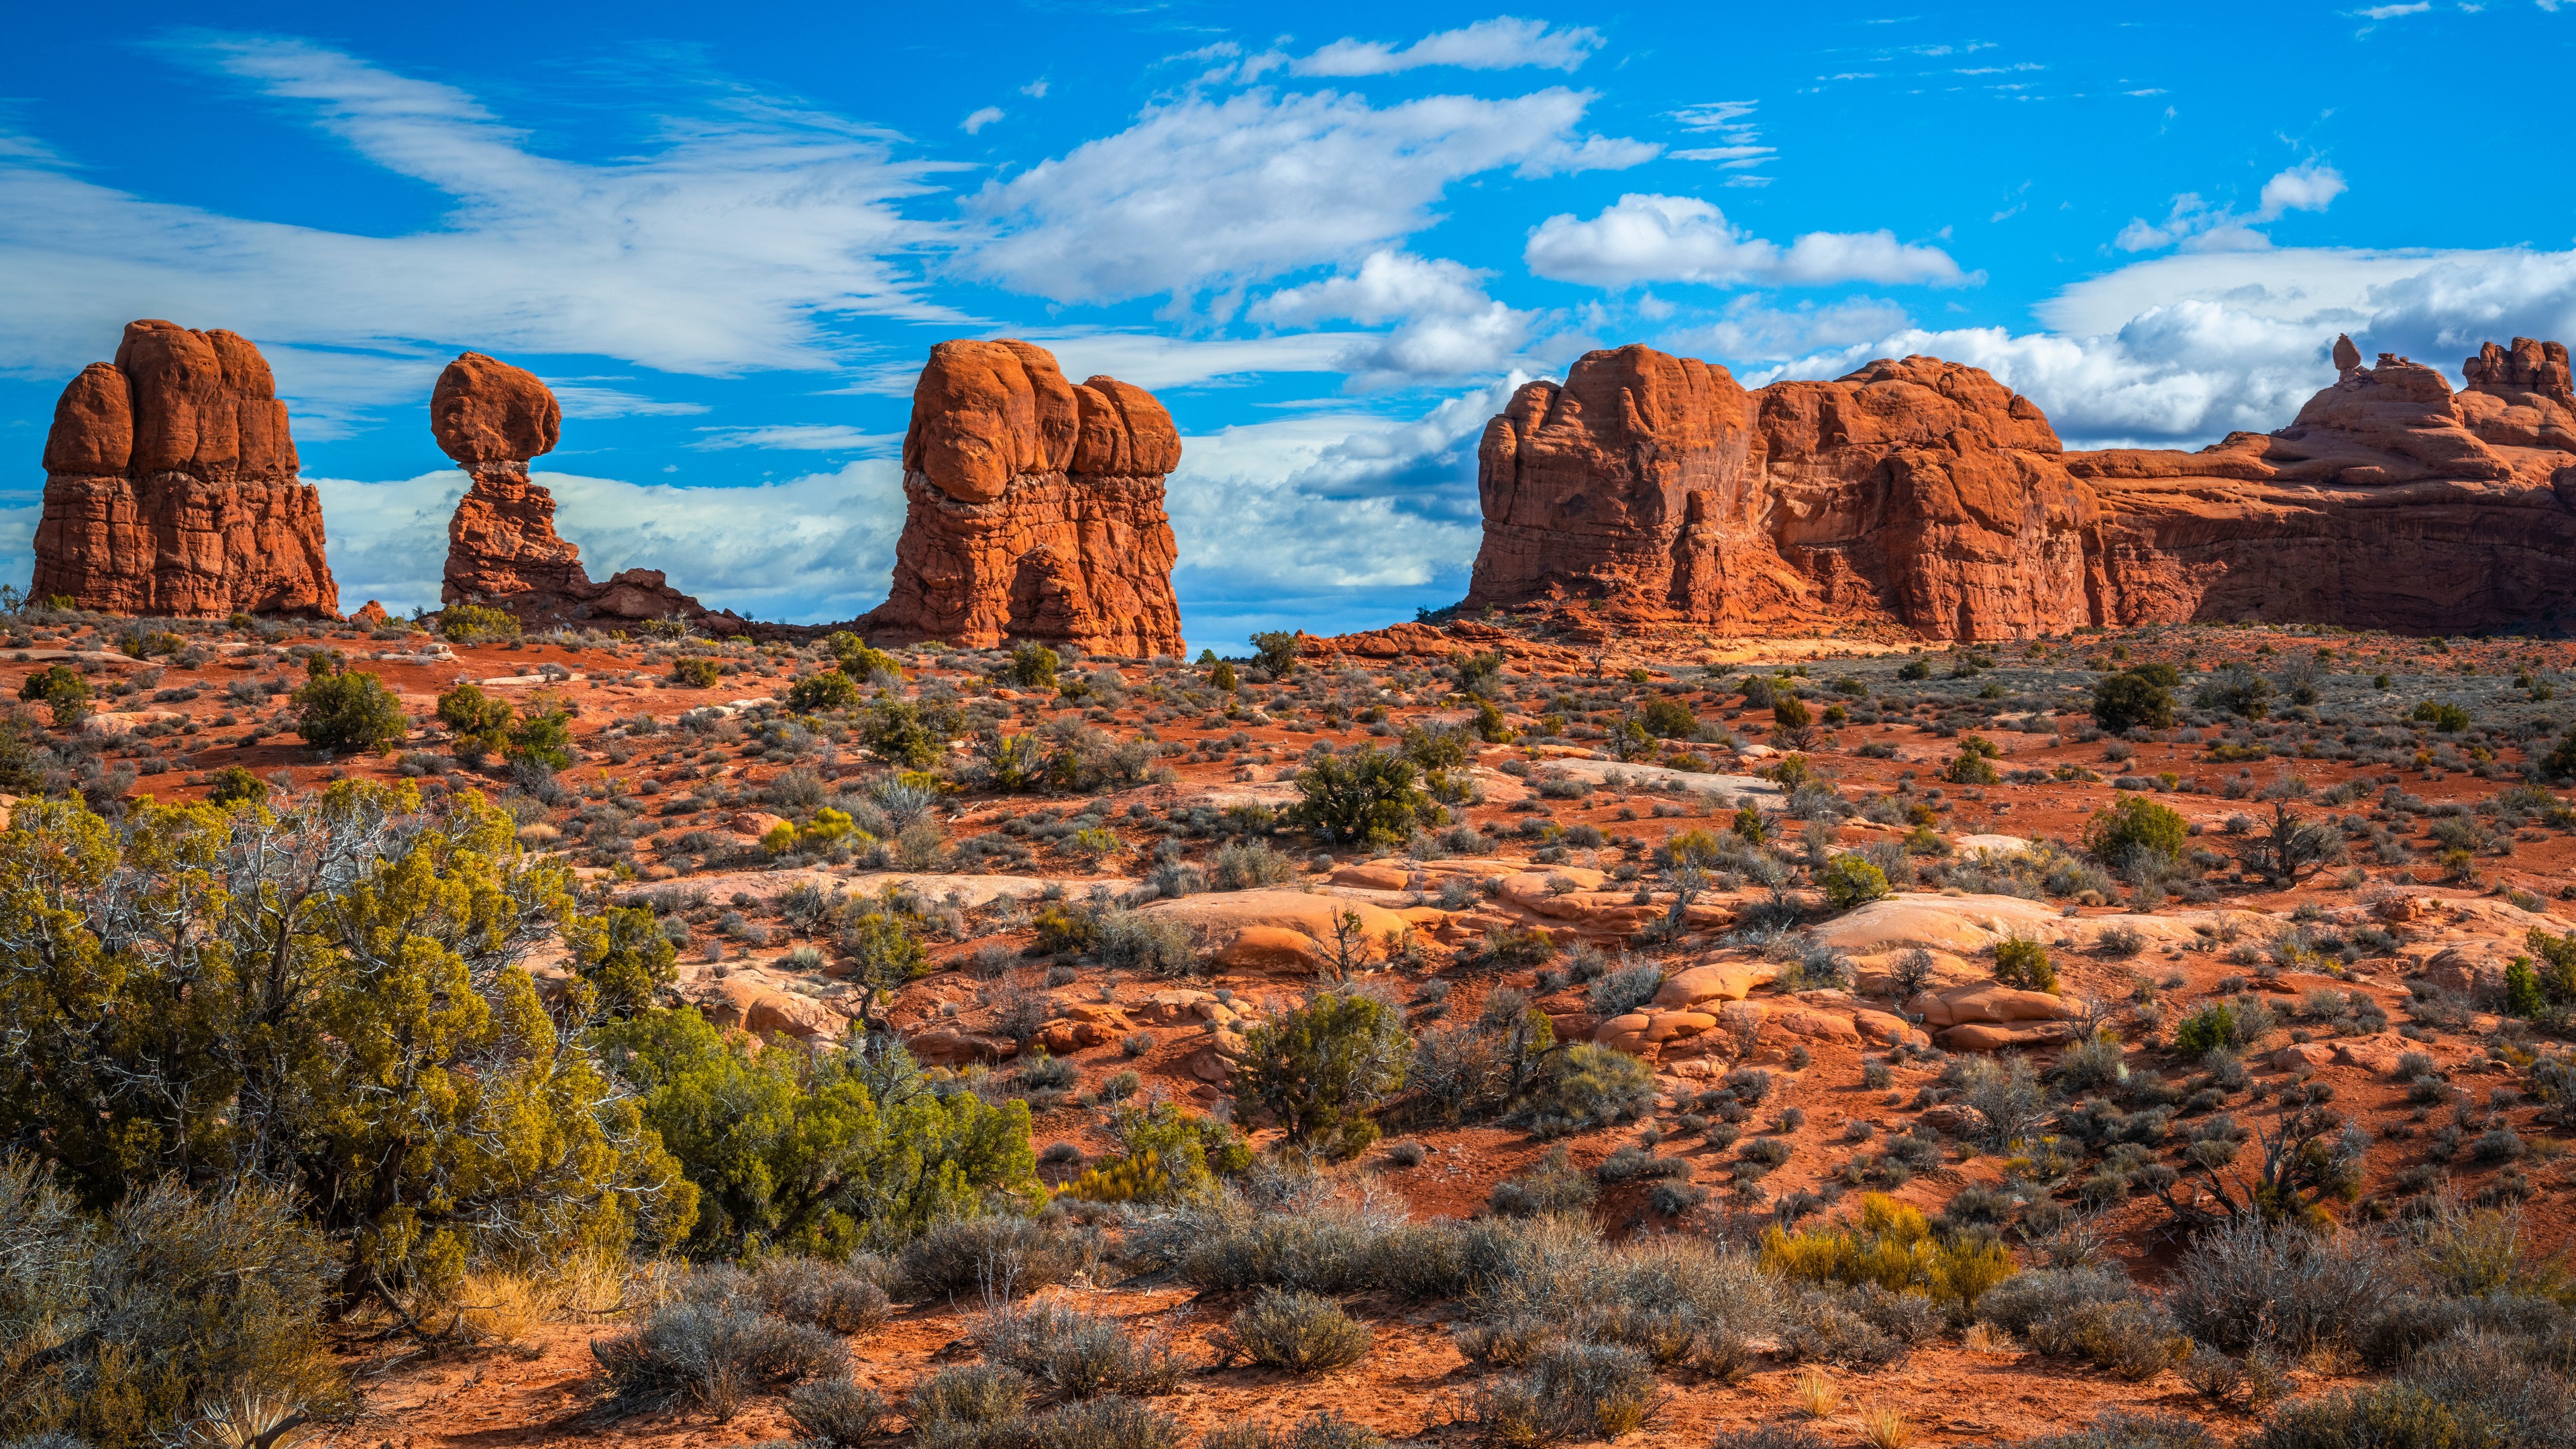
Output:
(480, 722)
(327, 999)
(60, 688)
(696, 673)
(339, 711)
(1892, 1247)
(1167, 1152)
(1322, 1068)
(860, 662)
(2022, 963)
(824, 1152)
(1852, 880)
(816, 693)
(475, 624)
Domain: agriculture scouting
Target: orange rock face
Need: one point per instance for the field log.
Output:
(171, 488)
(1924, 494)
(502, 548)
(1033, 508)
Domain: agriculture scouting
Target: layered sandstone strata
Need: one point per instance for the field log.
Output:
(171, 487)
(1033, 508)
(502, 548)
(1924, 494)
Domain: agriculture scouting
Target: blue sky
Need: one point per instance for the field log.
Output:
(728, 236)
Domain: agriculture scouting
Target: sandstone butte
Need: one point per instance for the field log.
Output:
(171, 487)
(1033, 509)
(502, 548)
(1924, 494)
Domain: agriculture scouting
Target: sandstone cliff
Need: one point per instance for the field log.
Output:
(1033, 508)
(171, 488)
(1924, 494)
(502, 548)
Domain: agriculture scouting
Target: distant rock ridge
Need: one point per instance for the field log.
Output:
(1033, 508)
(502, 548)
(1925, 494)
(171, 486)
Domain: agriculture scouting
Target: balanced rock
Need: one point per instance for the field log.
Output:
(502, 548)
(1924, 494)
(1033, 509)
(171, 487)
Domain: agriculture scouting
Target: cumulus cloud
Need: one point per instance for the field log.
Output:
(1448, 326)
(719, 249)
(1203, 192)
(2179, 351)
(2197, 225)
(810, 549)
(1502, 43)
(1648, 238)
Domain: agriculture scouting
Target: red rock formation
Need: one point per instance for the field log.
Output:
(1033, 508)
(1923, 493)
(171, 488)
(502, 548)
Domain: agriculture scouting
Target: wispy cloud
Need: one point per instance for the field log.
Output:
(2198, 225)
(802, 438)
(1503, 43)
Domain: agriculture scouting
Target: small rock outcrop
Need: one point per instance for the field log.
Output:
(171, 487)
(1925, 495)
(502, 548)
(1033, 509)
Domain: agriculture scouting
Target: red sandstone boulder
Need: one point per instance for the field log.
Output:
(171, 487)
(1925, 494)
(1033, 508)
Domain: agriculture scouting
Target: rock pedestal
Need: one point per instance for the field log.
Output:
(171, 487)
(1033, 509)
(502, 548)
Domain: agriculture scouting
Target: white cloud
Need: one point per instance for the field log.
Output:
(978, 120)
(2182, 350)
(1498, 44)
(587, 400)
(810, 549)
(2196, 225)
(1647, 238)
(802, 438)
(1752, 329)
(2391, 12)
(1738, 145)
(1035, 90)
(1150, 360)
(1204, 193)
(1449, 327)
(715, 251)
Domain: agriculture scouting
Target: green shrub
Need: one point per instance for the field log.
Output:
(1299, 1332)
(1033, 666)
(696, 673)
(2443, 716)
(1851, 880)
(819, 1153)
(1276, 651)
(1367, 796)
(860, 663)
(1790, 712)
(903, 733)
(2131, 700)
(1972, 767)
(2134, 824)
(541, 739)
(1321, 1068)
(2237, 691)
(2022, 962)
(236, 786)
(342, 712)
(60, 688)
(1587, 1086)
(829, 690)
(1221, 678)
(474, 624)
(480, 722)
(2205, 1031)
(1668, 719)
(399, 986)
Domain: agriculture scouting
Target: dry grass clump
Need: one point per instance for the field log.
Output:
(1079, 1355)
(712, 1354)
(1299, 1332)
(1816, 1396)
(1326, 1430)
(1571, 1391)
